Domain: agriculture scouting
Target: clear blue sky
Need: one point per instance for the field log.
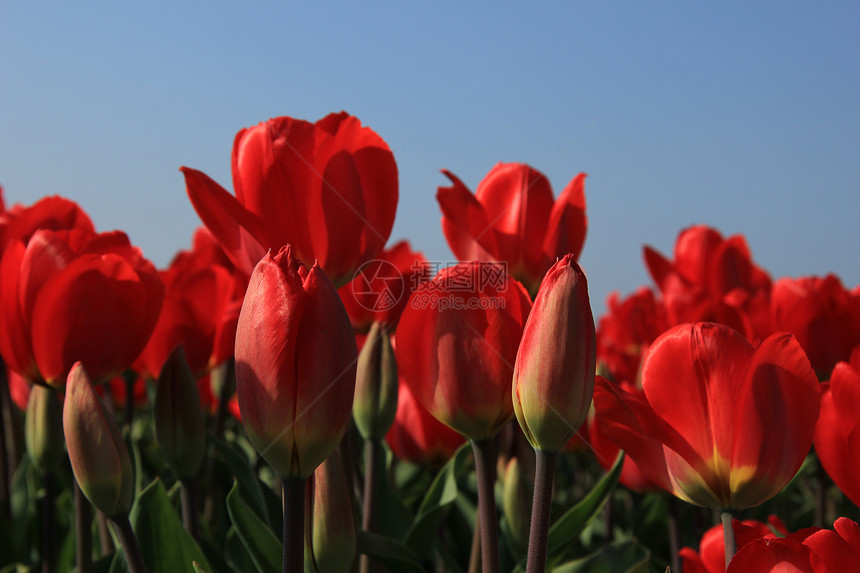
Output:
(741, 115)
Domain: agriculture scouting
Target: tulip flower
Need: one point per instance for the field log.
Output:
(76, 296)
(456, 346)
(381, 287)
(52, 213)
(555, 366)
(822, 314)
(97, 451)
(837, 441)
(295, 364)
(201, 306)
(417, 436)
(327, 188)
(712, 279)
(711, 557)
(512, 218)
(721, 423)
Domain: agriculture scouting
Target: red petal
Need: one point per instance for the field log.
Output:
(465, 223)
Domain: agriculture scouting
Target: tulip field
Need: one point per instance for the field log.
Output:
(295, 392)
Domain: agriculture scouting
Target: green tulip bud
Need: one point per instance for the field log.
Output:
(43, 428)
(330, 538)
(179, 425)
(99, 458)
(375, 403)
(517, 505)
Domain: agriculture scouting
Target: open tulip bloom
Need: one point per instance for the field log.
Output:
(721, 423)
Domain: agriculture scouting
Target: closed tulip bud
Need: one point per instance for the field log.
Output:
(517, 504)
(179, 425)
(375, 402)
(43, 428)
(555, 367)
(99, 458)
(330, 539)
(295, 364)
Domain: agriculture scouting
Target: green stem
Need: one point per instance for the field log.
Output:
(372, 454)
(487, 506)
(83, 531)
(125, 534)
(728, 536)
(674, 545)
(188, 496)
(541, 507)
(49, 510)
(294, 523)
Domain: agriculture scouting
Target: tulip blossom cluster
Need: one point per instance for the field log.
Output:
(356, 371)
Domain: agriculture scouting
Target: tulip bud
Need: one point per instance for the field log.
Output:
(43, 428)
(517, 505)
(330, 539)
(555, 367)
(99, 458)
(295, 364)
(179, 426)
(375, 402)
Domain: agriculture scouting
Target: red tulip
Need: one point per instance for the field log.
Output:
(821, 314)
(456, 345)
(512, 218)
(555, 365)
(722, 423)
(626, 330)
(327, 188)
(711, 557)
(416, 436)
(382, 286)
(837, 433)
(75, 296)
(812, 550)
(201, 307)
(295, 364)
(712, 279)
(52, 213)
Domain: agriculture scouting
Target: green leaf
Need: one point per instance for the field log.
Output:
(567, 528)
(434, 508)
(627, 556)
(391, 553)
(198, 568)
(263, 546)
(244, 475)
(165, 544)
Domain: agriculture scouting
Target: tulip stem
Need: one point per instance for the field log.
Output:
(83, 531)
(728, 536)
(482, 450)
(128, 541)
(541, 508)
(674, 545)
(372, 454)
(188, 495)
(294, 523)
(49, 510)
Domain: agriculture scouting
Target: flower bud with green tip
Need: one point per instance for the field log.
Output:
(179, 425)
(98, 454)
(43, 428)
(330, 538)
(375, 403)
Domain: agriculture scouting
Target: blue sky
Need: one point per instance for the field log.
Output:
(743, 116)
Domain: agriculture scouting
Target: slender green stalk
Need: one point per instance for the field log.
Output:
(133, 556)
(475, 555)
(728, 536)
(674, 545)
(49, 536)
(372, 453)
(83, 531)
(541, 506)
(487, 506)
(188, 496)
(294, 523)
